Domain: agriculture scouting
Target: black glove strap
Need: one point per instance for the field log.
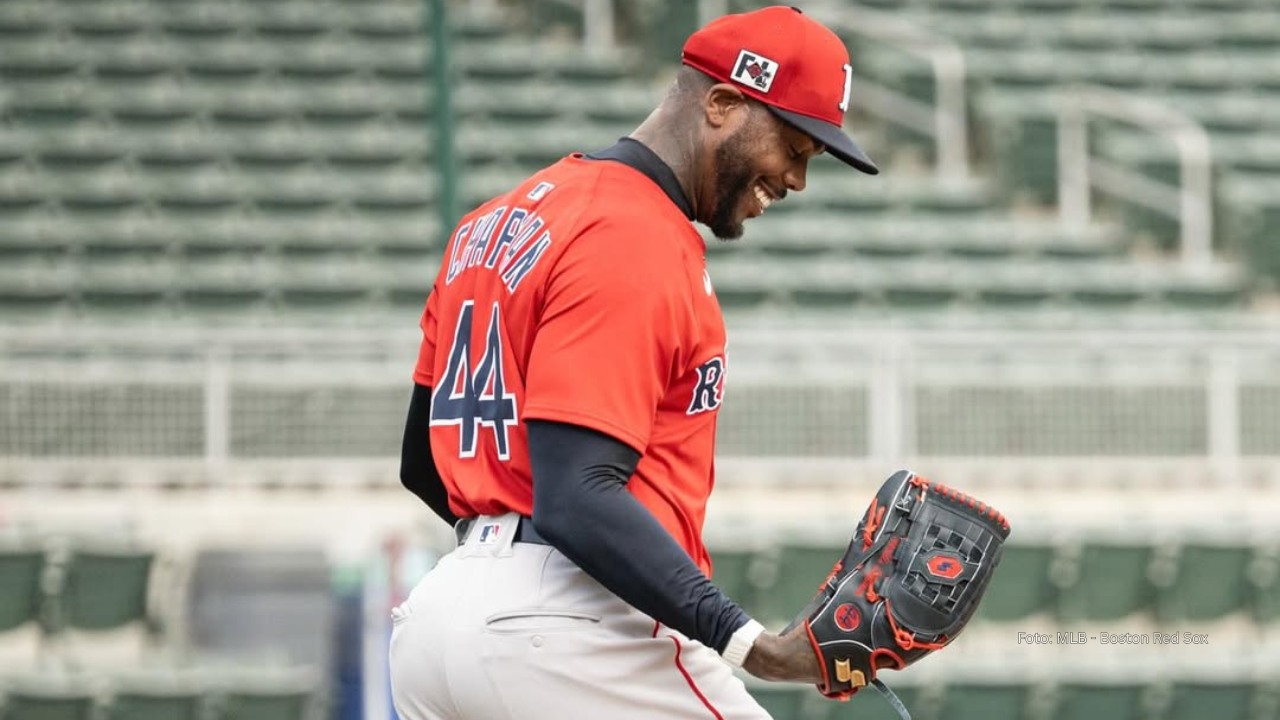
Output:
(892, 699)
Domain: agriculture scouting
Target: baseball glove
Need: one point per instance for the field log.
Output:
(911, 579)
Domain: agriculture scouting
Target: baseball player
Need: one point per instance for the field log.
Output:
(563, 420)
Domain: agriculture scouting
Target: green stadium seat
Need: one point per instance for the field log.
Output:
(869, 704)
(107, 21)
(136, 60)
(30, 67)
(183, 154)
(272, 695)
(1265, 576)
(137, 282)
(620, 105)
(222, 63)
(1220, 701)
(1100, 290)
(34, 240)
(1109, 581)
(781, 701)
(1022, 585)
(1021, 128)
(225, 283)
(201, 22)
(395, 194)
(48, 113)
(800, 570)
(23, 20)
(500, 61)
(1254, 220)
(1206, 297)
(325, 282)
(471, 25)
(156, 700)
(102, 587)
(38, 287)
(401, 63)
(378, 149)
(1210, 581)
(1100, 701)
(44, 700)
(22, 568)
(393, 20)
(289, 22)
(978, 700)
(734, 572)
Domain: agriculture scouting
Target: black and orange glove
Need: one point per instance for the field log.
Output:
(909, 582)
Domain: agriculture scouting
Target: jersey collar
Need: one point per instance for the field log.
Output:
(633, 153)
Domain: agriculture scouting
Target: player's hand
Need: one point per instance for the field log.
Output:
(787, 658)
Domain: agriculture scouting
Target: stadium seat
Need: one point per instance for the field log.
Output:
(104, 587)
(22, 568)
(156, 698)
(1210, 582)
(1022, 585)
(1254, 220)
(801, 569)
(976, 700)
(1220, 701)
(1109, 581)
(1265, 575)
(45, 700)
(1100, 701)
(869, 704)
(392, 20)
(273, 694)
(734, 572)
(781, 701)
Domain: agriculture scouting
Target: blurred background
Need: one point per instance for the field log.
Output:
(219, 220)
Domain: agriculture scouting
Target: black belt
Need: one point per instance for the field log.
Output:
(525, 532)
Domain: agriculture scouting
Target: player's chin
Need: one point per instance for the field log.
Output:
(728, 226)
(727, 230)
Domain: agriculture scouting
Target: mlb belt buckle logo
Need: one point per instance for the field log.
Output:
(754, 70)
(489, 533)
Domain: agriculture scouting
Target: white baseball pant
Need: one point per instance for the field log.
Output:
(503, 631)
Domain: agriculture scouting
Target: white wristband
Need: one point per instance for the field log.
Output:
(735, 653)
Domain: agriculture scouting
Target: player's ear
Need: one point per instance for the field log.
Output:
(721, 103)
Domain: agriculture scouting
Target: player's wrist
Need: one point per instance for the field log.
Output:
(783, 658)
(741, 642)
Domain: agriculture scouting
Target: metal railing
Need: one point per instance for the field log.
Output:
(1079, 172)
(892, 397)
(945, 120)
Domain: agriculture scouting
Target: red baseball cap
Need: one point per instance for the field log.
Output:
(790, 62)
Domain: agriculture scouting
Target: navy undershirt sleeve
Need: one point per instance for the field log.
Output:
(582, 507)
(418, 472)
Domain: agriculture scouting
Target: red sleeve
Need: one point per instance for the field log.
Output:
(610, 332)
(424, 371)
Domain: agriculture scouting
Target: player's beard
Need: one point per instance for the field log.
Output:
(734, 178)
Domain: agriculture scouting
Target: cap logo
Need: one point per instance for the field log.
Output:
(754, 70)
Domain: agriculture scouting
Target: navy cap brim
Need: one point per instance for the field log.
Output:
(836, 141)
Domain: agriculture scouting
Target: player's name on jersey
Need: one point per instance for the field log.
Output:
(505, 240)
(1081, 637)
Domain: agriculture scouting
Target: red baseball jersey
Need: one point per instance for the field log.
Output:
(581, 297)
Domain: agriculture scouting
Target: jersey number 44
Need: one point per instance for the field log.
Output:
(475, 400)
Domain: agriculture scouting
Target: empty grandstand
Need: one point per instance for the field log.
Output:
(219, 221)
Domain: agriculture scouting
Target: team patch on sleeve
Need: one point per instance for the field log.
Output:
(709, 390)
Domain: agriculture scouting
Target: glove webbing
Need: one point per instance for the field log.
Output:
(892, 699)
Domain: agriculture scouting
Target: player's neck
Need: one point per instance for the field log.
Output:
(675, 146)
